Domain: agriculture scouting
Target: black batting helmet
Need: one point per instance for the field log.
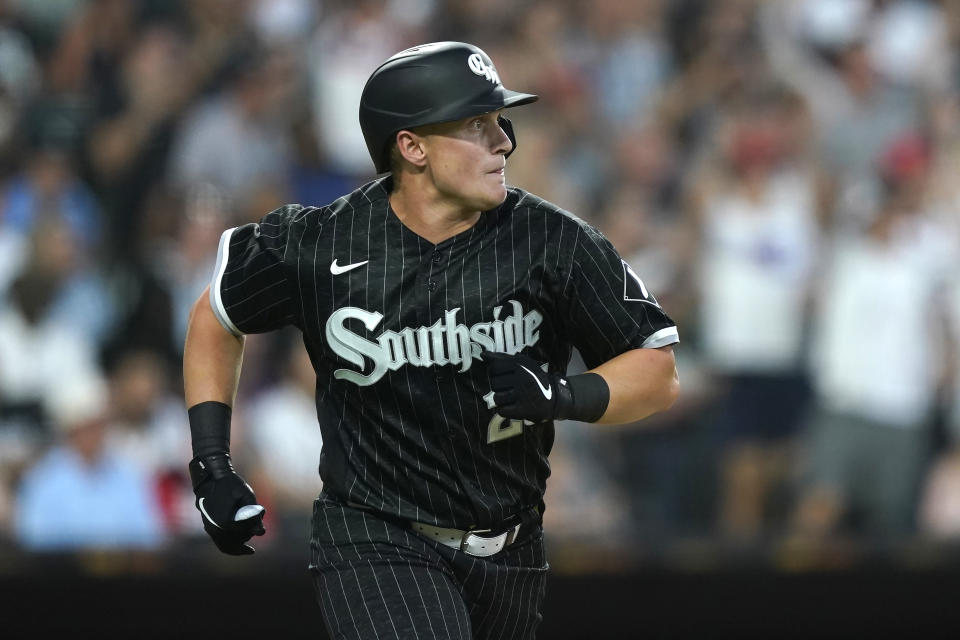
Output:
(429, 84)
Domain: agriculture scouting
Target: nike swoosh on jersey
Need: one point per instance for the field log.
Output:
(336, 269)
(546, 391)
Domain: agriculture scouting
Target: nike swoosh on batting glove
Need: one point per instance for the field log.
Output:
(227, 504)
(522, 390)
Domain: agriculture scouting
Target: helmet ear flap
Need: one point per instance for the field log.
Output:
(507, 127)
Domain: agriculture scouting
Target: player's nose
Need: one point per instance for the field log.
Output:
(502, 143)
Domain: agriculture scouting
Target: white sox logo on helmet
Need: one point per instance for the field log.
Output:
(481, 68)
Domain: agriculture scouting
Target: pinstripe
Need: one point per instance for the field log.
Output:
(263, 309)
(330, 531)
(443, 414)
(256, 293)
(513, 605)
(303, 306)
(606, 310)
(483, 583)
(496, 279)
(480, 311)
(356, 575)
(360, 422)
(526, 607)
(430, 321)
(528, 278)
(556, 267)
(316, 289)
(240, 259)
(249, 254)
(495, 570)
(534, 596)
(465, 580)
(521, 604)
(513, 254)
(342, 592)
(443, 613)
(615, 292)
(426, 610)
(255, 273)
(473, 456)
(513, 278)
(510, 602)
(529, 275)
(457, 599)
(544, 267)
(366, 290)
(576, 239)
(361, 590)
(406, 372)
(496, 614)
(445, 421)
(536, 589)
(386, 606)
(343, 411)
(323, 589)
(476, 398)
(400, 590)
(343, 589)
(316, 551)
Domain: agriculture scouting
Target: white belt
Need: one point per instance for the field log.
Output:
(469, 542)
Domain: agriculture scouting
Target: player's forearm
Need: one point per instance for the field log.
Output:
(212, 357)
(642, 382)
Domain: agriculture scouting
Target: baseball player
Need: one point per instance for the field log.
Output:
(439, 308)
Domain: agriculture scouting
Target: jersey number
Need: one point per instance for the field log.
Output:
(500, 428)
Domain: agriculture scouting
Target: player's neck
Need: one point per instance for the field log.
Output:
(427, 213)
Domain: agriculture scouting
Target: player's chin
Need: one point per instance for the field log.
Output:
(495, 193)
(493, 202)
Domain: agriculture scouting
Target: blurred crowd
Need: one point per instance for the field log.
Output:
(782, 175)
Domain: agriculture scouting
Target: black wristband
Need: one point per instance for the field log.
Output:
(210, 427)
(591, 395)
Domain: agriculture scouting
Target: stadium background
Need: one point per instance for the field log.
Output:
(783, 175)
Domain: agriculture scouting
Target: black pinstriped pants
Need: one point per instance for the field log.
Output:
(375, 579)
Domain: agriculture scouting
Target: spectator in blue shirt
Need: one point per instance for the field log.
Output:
(80, 494)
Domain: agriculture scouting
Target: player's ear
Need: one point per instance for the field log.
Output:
(410, 147)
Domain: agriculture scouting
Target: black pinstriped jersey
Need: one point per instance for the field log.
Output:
(395, 326)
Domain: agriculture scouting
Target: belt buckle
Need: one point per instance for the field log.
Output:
(464, 545)
(512, 535)
(508, 537)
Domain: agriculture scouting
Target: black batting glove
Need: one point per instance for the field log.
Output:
(227, 504)
(522, 390)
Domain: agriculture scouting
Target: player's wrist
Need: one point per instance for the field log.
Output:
(211, 466)
(210, 428)
(583, 397)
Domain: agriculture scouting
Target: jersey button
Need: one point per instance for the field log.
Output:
(436, 257)
(431, 285)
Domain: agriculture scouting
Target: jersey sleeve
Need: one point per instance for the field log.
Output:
(608, 308)
(252, 291)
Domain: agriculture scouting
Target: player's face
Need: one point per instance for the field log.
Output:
(467, 161)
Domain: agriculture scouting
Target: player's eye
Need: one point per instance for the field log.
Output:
(477, 124)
